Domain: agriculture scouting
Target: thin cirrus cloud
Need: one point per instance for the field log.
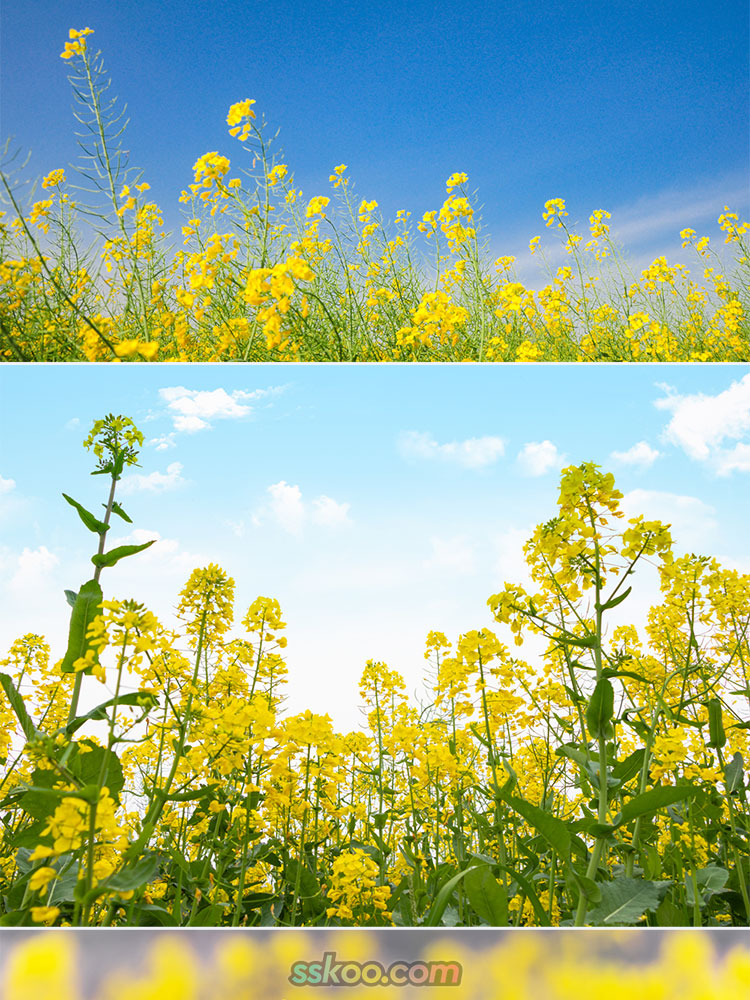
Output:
(6, 485)
(154, 482)
(711, 429)
(472, 453)
(287, 508)
(641, 455)
(537, 458)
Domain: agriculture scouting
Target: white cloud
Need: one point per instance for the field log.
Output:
(286, 506)
(328, 512)
(539, 457)
(735, 459)
(473, 453)
(291, 511)
(193, 409)
(154, 482)
(641, 455)
(163, 442)
(32, 568)
(6, 485)
(454, 555)
(701, 423)
(693, 522)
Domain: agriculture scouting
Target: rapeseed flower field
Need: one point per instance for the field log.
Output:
(263, 273)
(602, 783)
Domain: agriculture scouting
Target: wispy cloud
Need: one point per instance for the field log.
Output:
(537, 458)
(154, 482)
(701, 424)
(645, 228)
(6, 485)
(473, 453)
(641, 455)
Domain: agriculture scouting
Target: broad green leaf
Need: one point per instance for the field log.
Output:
(149, 915)
(601, 708)
(90, 763)
(487, 897)
(589, 889)
(656, 798)
(85, 609)
(70, 597)
(733, 774)
(134, 876)
(554, 831)
(17, 704)
(626, 769)
(625, 901)
(63, 888)
(710, 881)
(91, 522)
(572, 754)
(121, 552)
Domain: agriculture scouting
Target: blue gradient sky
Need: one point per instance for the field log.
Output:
(640, 110)
(350, 493)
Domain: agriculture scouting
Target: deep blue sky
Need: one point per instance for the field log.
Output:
(622, 105)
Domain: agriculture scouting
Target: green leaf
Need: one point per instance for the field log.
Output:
(733, 774)
(572, 753)
(152, 915)
(626, 769)
(614, 601)
(441, 900)
(134, 876)
(90, 763)
(588, 642)
(141, 698)
(63, 887)
(209, 916)
(70, 597)
(655, 799)
(601, 708)
(121, 552)
(117, 509)
(41, 802)
(85, 609)
(710, 881)
(625, 900)
(91, 522)
(589, 889)
(717, 736)
(17, 704)
(554, 831)
(487, 897)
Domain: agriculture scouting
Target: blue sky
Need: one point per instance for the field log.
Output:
(375, 503)
(640, 111)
